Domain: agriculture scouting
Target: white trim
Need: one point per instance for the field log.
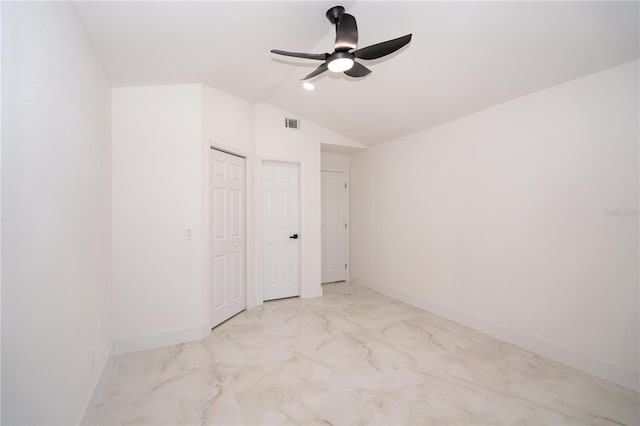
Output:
(167, 338)
(348, 214)
(106, 377)
(334, 169)
(0, 215)
(602, 369)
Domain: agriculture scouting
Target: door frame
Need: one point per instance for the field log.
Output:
(348, 214)
(301, 222)
(208, 293)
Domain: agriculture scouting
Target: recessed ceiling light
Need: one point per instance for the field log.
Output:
(308, 86)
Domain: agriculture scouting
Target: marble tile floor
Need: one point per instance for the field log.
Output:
(353, 357)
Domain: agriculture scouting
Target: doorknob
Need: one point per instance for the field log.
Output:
(294, 236)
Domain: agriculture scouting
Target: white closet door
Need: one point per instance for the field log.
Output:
(280, 231)
(334, 226)
(227, 235)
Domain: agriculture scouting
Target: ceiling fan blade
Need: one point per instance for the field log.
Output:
(317, 56)
(382, 49)
(346, 33)
(357, 70)
(322, 68)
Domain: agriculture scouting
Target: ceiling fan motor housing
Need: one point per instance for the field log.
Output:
(334, 14)
(340, 55)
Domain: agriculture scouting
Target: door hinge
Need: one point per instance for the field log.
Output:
(345, 266)
(345, 226)
(345, 185)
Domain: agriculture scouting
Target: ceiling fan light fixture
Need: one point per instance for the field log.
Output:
(345, 48)
(340, 65)
(340, 62)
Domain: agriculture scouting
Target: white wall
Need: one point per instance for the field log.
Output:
(228, 124)
(161, 146)
(530, 207)
(334, 160)
(275, 142)
(157, 194)
(56, 215)
(0, 215)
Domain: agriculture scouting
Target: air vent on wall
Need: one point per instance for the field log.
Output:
(291, 123)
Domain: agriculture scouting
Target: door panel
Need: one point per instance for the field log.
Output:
(280, 220)
(227, 235)
(334, 227)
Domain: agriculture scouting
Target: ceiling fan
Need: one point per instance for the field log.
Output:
(342, 59)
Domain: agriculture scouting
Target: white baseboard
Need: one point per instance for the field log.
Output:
(602, 369)
(105, 378)
(172, 337)
(316, 292)
(133, 344)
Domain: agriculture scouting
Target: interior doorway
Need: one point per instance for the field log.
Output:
(227, 234)
(335, 233)
(280, 230)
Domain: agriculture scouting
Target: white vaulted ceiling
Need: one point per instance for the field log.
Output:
(464, 56)
(225, 44)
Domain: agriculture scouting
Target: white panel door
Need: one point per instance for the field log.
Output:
(280, 231)
(334, 227)
(227, 235)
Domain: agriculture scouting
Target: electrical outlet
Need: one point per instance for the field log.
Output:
(458, 292)
(188, 233)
